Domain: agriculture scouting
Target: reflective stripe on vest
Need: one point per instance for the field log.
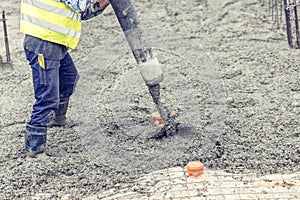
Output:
(51, 21)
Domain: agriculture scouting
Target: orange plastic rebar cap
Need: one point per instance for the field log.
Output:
(195, 168)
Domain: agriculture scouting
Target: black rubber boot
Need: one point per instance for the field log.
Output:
(60, 118)
(35, 140)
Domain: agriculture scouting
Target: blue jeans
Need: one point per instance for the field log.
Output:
(56, 80)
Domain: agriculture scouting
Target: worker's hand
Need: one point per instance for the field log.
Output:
(103, 3)
(94, 8)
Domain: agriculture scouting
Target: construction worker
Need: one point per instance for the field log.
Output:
(51, 28)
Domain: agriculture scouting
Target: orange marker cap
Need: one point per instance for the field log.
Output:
(195, 168)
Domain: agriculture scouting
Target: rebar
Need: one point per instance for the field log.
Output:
(1, 59)
(296, 25)
(272, 9)
(288, 22)
(275, 10)
(280, 9)
(276, 6)
(5, 37)
(290, 9)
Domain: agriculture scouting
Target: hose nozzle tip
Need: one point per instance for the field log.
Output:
(157, 120)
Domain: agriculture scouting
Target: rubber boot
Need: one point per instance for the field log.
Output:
(35, 140)
(60, 118)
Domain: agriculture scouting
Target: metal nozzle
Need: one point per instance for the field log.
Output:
(155, 93)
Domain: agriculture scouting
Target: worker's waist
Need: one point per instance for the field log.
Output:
(50, 50)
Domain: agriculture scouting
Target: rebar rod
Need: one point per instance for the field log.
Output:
(276, 13)
(288, 23)
(290, 5)
(296, 25)
(272, 9)
(1, 59)
(5, 37)
(281, 7)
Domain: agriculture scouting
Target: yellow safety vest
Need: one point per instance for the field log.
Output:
(51, 21)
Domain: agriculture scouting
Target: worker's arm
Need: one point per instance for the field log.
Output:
(94, 8)
(87, 8)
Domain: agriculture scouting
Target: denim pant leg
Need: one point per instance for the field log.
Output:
(46, 89)
(68, 77)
